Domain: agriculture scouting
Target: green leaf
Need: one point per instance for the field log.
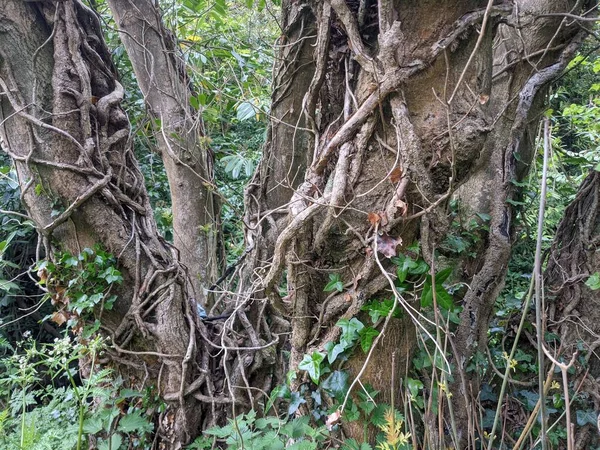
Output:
(7, 286)
(333, 351)
(93, 425)
(443, 275)
(350, 330)
(414, 386)
(296, 428)
(352, 444)
(444, 300)
(427, 294)
(367, 334)
(378, 309)
(296, 401)
(336, 384)
(113, 444)
(585, 417)
(245, 111)
(312, 364)
(194, 103)
(335, 283)
(351, 413)
(135, 422)
(593, 282)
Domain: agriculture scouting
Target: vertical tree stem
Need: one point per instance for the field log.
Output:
(538, 286)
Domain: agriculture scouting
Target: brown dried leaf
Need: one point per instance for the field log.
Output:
(396, 174)
(483, 99)
(59, 317)
(333, 419)
(402, 207)
(386, 245)
(374, 218)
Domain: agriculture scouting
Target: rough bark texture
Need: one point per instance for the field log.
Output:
(63, 126)
(446, 94)
(162, 78)
(388, 108)
(571, 307)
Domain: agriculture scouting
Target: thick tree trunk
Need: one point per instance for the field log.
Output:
(70, 140)
(571, 307)
(382, 112)
(162, 77)
(393, 108)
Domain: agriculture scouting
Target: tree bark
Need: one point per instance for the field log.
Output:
(63, 126)
(446, 95)
(162, 77)
(570, 306)
(382, 112)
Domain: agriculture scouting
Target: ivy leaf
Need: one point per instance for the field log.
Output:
(335, 283)
(367, 335)
(336, 384)
(295, 403)
(333, 351)
(585, 417)
(593, 282)
(379, 309)
(350, 329)
(312, 364)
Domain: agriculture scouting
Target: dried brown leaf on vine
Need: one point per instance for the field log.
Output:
(333, 419)
(386, 245)
(396, 174)
(59, 317)
(402, 207)
(374, 218)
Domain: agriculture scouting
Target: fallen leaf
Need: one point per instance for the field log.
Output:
(396, 174)
(483, 99)
(386, 245)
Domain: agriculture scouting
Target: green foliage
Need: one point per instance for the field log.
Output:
(264, 433)
(335, 283)
(78, 285)
(44, 405)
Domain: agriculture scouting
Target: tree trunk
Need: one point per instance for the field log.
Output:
(162, 77)
(70, 140)
(383, 112)
(571, 306)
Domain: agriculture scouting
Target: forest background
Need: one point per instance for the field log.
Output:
(388, 291)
